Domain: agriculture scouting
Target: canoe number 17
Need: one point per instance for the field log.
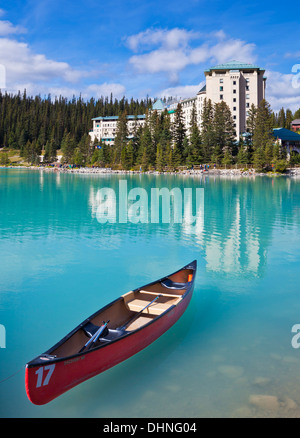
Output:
(44, 380)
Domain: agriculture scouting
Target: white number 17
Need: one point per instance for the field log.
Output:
(40, 372)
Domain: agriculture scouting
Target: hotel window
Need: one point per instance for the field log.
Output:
(221, 81)
(234, 108)
(221, 96)
(234, 82)
(234, 91)
(247, 87)
(221, 88)
(247, 96)
(234, 117)
(247, 105)
(234, 99)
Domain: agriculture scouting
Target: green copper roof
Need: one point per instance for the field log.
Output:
(286, 134)
(234, 65)
(158, 105)
(107, 118)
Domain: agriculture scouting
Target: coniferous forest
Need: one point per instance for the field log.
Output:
(35, 125)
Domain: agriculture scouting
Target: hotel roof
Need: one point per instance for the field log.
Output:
(286, 134)
(117, 117)
(203, 89)
(234, 65)
(158, 105)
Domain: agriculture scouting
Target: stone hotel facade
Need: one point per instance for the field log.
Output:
(238, 84)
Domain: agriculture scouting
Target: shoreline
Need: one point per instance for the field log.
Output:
(291, 172)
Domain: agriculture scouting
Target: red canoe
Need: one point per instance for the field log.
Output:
(111, 335)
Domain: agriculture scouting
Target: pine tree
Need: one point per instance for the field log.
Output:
(195, 154)
(121, 136)
(50, 150)
(263, 136)
(269, 154)
(32, 151)
(296, 114)
(124, 158)
(207, 130)
(160, 160)
(263, 131)
(77, 157)
(130, 154)
(259, 158)
(68, 146)
(288, 119)
(147, 153)
(85, 148)
(223, 132)
(178, 135)
(243, 156)
(4, 159)
(251, 119)
(155, 126)
(281, 118)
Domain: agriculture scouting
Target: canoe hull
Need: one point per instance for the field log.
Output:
(45, 383)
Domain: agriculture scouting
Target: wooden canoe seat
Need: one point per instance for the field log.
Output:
(139, 322)
(141, 299)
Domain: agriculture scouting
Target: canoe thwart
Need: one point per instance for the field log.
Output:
(162, 304)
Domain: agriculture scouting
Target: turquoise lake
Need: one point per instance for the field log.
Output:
(231, 353)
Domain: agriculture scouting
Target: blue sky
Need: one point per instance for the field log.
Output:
(139, 48)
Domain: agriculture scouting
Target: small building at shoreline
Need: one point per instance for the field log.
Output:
(295, 125)
(288, 139)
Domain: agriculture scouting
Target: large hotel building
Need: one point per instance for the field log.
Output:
(238, 84)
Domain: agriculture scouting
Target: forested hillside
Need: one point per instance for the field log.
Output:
(35, 124)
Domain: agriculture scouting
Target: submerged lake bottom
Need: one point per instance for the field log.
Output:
(234, 352)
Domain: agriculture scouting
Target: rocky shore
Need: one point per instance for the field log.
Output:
(291, 172)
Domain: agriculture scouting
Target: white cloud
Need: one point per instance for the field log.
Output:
(283, 90)
(171, 51)
(86, 92)
(231, 49)
(183, 91)
(21, 63)
(105, 89)
(294, 55)
(169, 61)
(22, 68)
(7, 28)
(169, 39)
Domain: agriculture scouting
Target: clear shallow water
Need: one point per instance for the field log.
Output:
(229, 355)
